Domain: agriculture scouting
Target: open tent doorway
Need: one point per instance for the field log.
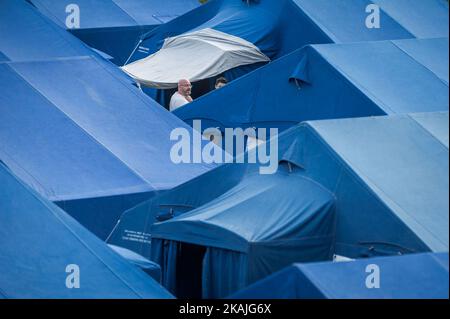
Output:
(189, 271)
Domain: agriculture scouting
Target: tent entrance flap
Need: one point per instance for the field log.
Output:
(195, 56)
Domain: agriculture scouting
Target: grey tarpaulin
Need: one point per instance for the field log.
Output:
(195, 56)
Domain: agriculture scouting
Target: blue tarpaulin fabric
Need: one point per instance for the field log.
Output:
(39, 240)
(219, 215)
(280, 27)
(90, 142)
(414, 276)
(435, 123)
(394, 169)
(167, 258)
(388, 177)
(258, 23)
(332, 81)
(137, 260)
(133, 230)
(344, 20)
(114, 26)
(3, 57)
(220, 274)
(25, 34)
(236, 223)
(423, 19)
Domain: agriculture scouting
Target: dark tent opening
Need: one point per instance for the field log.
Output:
(189, 271)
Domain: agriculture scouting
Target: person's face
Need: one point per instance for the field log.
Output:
(219, 85)
(186, 88)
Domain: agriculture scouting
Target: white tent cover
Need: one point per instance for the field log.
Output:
(194, 56)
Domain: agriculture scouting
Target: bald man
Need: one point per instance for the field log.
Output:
(182, 96)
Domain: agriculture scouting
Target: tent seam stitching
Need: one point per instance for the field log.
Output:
(418, 62)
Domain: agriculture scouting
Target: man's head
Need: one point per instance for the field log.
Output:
(220, 82)
(184, 87)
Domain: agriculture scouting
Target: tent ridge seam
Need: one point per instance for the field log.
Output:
(88, 134)
(419, 63)
(360, 178)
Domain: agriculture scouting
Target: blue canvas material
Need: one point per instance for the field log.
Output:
(414, 276)
(91, 142)
(115, 26)
(382, 183)
(39, 240)
(332, 81)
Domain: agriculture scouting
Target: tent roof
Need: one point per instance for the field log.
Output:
(150, 268)
(253, 22)
(399, 19)
(28, 35)
(90, 134)
(417, 276)
(56, 241)
(400, 159)
(348, 80)
(305, 22)
(423, 19)
(261, 220)
(395, 74)
(116, 13)
(436, 123)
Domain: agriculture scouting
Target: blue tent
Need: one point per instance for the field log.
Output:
(241, 242)
(90, 142)
(390, 177)
(28, 35)
(416, 276)
(332, 81)
(39, 240)
(384, 178)
(280, 27)
(114, 26)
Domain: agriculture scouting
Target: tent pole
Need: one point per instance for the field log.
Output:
(134, 50)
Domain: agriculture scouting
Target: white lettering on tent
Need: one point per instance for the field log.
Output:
(373, 279)
(73, 19)
(137, 236)
(73, 279)
(373, 19)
